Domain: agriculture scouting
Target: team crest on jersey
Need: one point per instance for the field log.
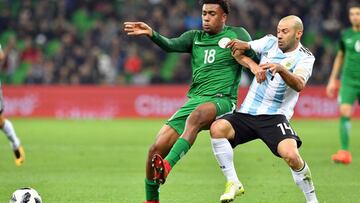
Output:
(223, 42)
(288, 65)
(357, 46)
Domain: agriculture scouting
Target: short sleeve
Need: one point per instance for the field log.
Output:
(304, 67)
(262, 44)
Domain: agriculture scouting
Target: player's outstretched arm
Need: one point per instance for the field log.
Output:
(247, 62)
(2, 55)
(331, 86)
(138, 28)
(180, 44)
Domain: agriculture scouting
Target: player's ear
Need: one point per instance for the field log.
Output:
(224, 17)
(299, 33)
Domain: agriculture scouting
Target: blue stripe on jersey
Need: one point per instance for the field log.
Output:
(280, 91)
(278, 98)
(270, 43)
(260, 91)
(259, 96)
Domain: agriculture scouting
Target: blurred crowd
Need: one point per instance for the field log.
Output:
(82, 42)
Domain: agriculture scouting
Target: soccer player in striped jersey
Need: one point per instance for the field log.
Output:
(7, 127)
(348, 57)
(268, 106)
(213, 91)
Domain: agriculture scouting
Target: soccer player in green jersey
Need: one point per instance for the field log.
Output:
(348, 57)
(7, 127)
(213, 91)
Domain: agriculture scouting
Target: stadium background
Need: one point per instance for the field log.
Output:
(70, 60)
(77, 43)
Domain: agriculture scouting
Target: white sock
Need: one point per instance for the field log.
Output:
(303, 180)
(10, 134)
(224, 155)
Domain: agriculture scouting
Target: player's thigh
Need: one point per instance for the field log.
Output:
(347, 96)
(2, 118)
(203, 115)
(178, 120)
(215, 108)
(1, 101)
(347, 93)
(224, 105)
(242, 127)
(272, 129)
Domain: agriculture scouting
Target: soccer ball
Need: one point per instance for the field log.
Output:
(25, 195)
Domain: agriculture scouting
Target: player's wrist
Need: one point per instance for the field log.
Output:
(248, 46)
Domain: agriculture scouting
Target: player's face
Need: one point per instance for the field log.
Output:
(354, 16)
(288, 36)
(213, 18)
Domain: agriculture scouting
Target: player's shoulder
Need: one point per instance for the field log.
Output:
(237, 28)
(306, 53)
(346, 32)
(270, 37)
(268, 40)
(194, 32)
(240, 32)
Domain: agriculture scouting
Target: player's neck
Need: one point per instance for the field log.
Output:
(356, 28)
(217, 31)
(292, 48)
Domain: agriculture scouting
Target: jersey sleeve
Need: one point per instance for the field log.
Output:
(183, 43)
(341, 45)
(304, 67)
(262, 44)
(243, 35)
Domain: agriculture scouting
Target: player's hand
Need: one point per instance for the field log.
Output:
(2, 55)
(237, 45)
(137, 28)
(260, 74)
(272, 67)
(331, 88)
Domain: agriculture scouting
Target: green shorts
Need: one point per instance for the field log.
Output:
(348, 93)
(223, 105)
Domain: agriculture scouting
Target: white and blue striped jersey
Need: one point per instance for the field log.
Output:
(275, 97)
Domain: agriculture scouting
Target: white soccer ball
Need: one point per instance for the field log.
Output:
(25, 195)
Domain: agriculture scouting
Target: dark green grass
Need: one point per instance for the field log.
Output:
(103, 161)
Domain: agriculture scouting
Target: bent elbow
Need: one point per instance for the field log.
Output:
(299, 87)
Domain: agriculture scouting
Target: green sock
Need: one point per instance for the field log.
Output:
(345, 127)
(179, 149)
(151, 190)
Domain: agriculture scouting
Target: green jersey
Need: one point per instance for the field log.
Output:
(214, 70)
(350, 45)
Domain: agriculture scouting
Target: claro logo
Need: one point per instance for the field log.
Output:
(154, 105)
(316, 106)
(22, 105)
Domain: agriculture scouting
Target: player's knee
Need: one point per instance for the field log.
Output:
(346, 110)
(218, 129)
(292, 158)
(154, 149)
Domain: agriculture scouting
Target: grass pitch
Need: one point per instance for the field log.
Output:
(103, 161)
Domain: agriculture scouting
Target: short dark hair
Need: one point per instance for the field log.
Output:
(353, 4)
(224, 4)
